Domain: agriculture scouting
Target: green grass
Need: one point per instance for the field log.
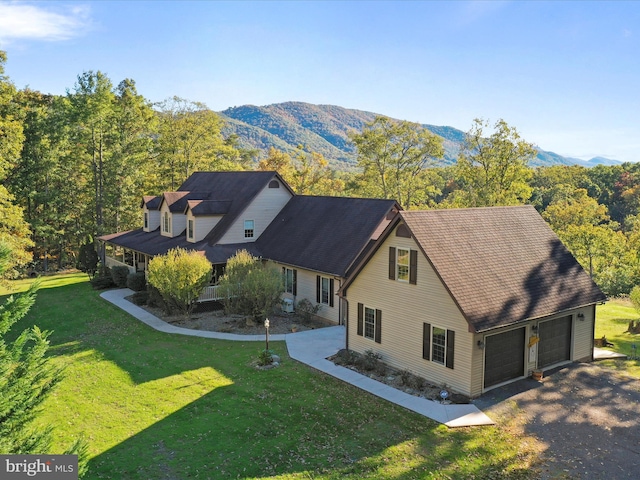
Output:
(154, 406)
(612, 321)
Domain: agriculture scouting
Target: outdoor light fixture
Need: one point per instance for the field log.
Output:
(534, 328)
(581, 317)
(266, 327)
(480, 344)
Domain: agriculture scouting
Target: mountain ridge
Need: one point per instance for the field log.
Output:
(324, 129)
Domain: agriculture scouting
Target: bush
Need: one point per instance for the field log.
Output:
(119, 275)
(250, 287)
(369, 361)
(180, 276)
(306, 310)
(265, 358)
(103, 279)
(137, 281)
(140, 298)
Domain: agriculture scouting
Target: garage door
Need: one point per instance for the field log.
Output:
(503, 357)
(555, 341)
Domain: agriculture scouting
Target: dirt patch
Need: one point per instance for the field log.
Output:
(211, 318)
(584, 417)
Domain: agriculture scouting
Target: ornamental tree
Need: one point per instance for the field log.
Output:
(180, 276)
(250, 287)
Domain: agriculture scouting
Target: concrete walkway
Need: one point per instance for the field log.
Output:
(312, 347)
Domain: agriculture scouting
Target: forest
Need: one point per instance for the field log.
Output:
(75, 166)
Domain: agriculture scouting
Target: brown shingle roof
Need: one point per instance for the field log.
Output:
(325, 234)
(502, 265)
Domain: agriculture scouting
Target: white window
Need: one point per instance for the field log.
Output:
(324, 290)
(190, 229)
(402, 263)
(289, 280)
(369, 323)
(166, 223)
(439, 345)
(248, 228)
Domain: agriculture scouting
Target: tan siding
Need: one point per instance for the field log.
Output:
(154, 219)
(202, 225)
(404, 309)
(306, 288)
(262, 211)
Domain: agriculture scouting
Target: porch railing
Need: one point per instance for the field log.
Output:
(210, 294)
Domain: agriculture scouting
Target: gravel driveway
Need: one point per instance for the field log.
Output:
(586, 418)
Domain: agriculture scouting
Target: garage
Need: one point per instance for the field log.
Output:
(555, 341)
(504, 357)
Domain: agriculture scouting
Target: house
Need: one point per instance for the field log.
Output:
(314, 241)
(467, 298)
(471, 298)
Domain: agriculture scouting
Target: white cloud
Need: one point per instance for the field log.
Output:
(42, 21)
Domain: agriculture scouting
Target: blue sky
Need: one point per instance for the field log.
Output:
(565, 74)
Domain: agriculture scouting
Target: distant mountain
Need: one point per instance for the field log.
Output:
(596, 161)
(324, 129)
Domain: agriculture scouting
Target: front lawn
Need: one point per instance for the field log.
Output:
(156, 406)
(612, 321)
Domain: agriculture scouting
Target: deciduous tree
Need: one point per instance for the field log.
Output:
(393, 156)
(493, 170)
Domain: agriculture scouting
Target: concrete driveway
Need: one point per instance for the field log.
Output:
(586, 417)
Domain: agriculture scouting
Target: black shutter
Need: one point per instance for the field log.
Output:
(451, 336)
(360, 319)
(318, 289)
(413, 267)
(426, 341)
(392, 263)
(295, 282)
(378, 334)
(331, 295)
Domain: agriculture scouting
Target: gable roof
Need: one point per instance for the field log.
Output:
(325, 234)
(501, 265)
(207, 207)
(151, 202)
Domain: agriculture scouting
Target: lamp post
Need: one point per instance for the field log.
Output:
(266, 327)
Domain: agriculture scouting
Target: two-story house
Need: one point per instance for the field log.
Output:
(314, 241)
(467, 298)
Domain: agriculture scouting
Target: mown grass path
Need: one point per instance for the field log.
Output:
(156, 406)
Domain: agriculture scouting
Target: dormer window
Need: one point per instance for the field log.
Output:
(190, 229)
(166, 223)
(146, 220)
(248, 228)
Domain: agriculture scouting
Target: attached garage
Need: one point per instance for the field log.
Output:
(504, 357)
(555, 341)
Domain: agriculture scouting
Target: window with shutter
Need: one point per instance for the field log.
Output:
(325, 290)
(403, 265)
(438, 344)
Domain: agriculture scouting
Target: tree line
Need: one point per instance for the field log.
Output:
(76, 166)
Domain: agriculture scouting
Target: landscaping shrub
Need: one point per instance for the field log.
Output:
(250, 287)
(103, 279)
(140, 298)
(265, 358)
(180, 276)
(119, 275)
(369, 361)
(137, 281)
(306, 310)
